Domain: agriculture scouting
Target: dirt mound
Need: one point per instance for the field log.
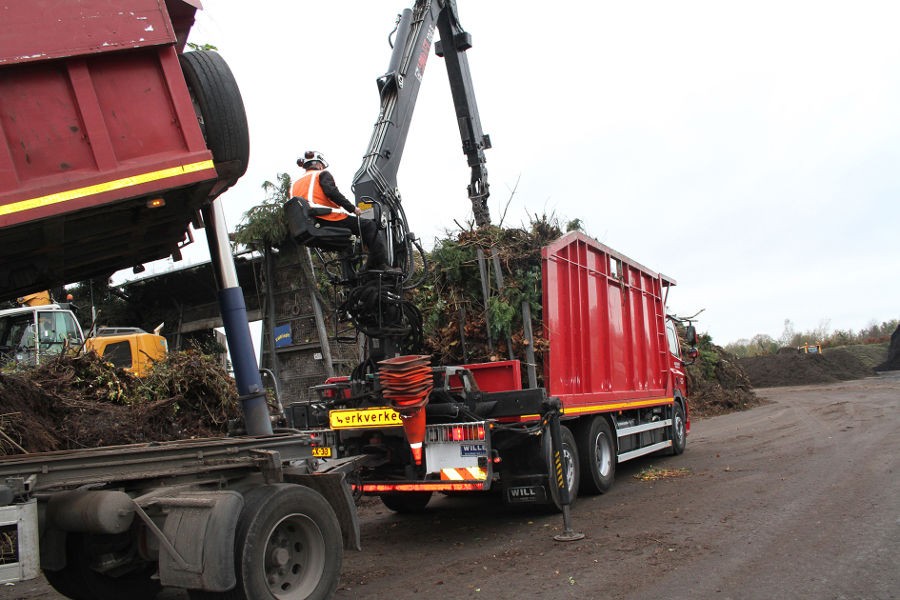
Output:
(776, 370)
(83, 402)
(716, 382)
(893, 361)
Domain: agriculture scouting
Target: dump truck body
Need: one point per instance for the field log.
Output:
(104, 163)
(115, 142)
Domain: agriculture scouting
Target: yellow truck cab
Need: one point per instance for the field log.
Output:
(129, 348)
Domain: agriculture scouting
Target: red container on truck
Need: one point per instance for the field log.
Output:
(613, 376)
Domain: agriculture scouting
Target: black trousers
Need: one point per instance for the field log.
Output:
(367, 229)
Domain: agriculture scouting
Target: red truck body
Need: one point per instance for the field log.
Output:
(604, 319)
(104, 162)
(613, 374)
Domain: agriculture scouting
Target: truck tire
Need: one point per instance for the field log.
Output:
(219, 107)
(597, 451)
(679, 434)
(288, 546)
(572, 470)
(406, 502)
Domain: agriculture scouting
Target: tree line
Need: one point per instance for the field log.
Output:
(762, 343)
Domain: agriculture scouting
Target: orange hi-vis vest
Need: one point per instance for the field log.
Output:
(309, 187)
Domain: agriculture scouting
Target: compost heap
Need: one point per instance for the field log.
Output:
(717, 383)
(791, 367)
(893, 360)
(457, 332)
(82, 402)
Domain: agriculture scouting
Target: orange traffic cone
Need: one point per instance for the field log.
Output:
(414, 426)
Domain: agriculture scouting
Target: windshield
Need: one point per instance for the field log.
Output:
(12, 329)
(674, 346)
(28, 337)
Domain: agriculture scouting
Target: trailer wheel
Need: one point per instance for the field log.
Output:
(572, 474)
(219, 107)
(598, 456)
(679, 434)
(407, 502)
(288, 546)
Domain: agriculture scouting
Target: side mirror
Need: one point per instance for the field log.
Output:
(693, 353)
(690, 333)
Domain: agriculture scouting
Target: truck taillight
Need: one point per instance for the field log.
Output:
(460, 434)
(466, 432)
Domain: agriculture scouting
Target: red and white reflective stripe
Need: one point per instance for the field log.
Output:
(416, 448)
(312, 186)
(464, 474)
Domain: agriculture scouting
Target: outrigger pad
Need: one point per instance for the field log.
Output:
(307, 231)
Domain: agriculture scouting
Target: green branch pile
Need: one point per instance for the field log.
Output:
(83, 402)
(452, 299)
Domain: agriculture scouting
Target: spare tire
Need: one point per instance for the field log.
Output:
(220, 109)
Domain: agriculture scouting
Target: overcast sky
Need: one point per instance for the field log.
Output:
(749, 150)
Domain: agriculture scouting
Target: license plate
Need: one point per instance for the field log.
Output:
(321, 451)
(364, 418)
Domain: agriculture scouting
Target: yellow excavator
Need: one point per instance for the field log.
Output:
(40, 329)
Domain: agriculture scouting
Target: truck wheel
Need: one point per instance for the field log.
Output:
(679, 434)
(597, 452)
(219, 107)
(288, 546)
(406, 502)
(572, 474)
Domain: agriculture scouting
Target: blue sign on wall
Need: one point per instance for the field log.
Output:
(282, 335)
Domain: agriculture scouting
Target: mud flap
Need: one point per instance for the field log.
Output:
(198, 551)
(527, 490)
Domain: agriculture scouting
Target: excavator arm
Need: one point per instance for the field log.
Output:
(376, 179)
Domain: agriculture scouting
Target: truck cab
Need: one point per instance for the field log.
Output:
(32, 334)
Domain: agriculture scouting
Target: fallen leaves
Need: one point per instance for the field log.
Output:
(652, 473)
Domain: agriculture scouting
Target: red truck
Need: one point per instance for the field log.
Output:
(115, 142)
(614, 388)
(613, 375)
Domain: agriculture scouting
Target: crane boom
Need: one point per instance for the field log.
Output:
(398, 88)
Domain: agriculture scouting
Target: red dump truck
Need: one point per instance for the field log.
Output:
(115, 142)
(613, 377)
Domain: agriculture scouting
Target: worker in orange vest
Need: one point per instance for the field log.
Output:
(318, 187)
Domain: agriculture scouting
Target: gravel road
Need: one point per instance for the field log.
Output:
(798, 498)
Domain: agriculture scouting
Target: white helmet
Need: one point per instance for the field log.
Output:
(311, 156)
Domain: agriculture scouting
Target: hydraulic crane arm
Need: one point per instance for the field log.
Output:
(376, 178)
(452, 46)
